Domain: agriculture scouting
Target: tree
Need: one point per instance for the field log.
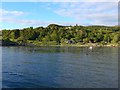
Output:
(46, 40)
(115, 38)
(99, 37)
(86, 40)
(16, 33)
(107, 38)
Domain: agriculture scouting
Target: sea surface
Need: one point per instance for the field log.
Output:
(59, 67)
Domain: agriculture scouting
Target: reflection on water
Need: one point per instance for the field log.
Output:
(63, 67)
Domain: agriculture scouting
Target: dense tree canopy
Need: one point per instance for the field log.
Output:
(63, 34)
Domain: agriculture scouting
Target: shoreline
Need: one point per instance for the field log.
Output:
(110, 45)
(38, 44)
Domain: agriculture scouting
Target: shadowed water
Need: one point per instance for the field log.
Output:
(62, 67)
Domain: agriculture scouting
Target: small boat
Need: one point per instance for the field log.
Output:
(90, 47)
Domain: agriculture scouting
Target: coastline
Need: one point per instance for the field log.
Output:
(64, 45)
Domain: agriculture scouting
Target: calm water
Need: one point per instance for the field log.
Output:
(63, 67)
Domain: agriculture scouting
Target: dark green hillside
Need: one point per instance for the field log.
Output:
(55, 34)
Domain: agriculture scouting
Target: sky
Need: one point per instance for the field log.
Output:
(17, 15)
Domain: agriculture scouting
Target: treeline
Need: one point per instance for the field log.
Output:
(56, 35)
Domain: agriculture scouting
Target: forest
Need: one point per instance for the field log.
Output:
(55, 34)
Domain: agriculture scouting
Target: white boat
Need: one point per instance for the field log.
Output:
(90, 47)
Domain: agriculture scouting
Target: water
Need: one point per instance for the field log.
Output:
(60, 67)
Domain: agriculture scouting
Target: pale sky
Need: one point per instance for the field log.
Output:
(37, 13)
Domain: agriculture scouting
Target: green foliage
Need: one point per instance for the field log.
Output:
(115, 38)
(57, 34)
(86, 40)
(8, 42)
(107, 38)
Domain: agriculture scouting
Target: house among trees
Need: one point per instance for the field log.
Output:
(71, 42)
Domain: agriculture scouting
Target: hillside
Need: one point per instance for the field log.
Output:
(55, 34)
